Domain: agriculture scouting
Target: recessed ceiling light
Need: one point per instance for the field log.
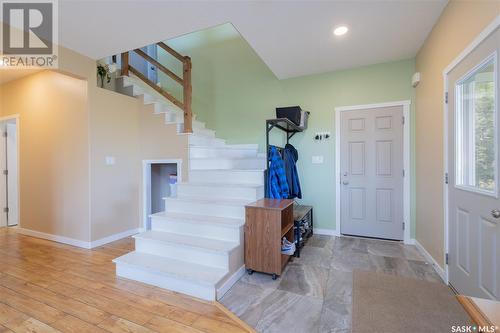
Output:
(340, 30)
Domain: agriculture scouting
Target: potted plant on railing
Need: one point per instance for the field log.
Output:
(104, 73)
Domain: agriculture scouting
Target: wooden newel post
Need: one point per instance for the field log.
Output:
(188, 95)
(125, 63)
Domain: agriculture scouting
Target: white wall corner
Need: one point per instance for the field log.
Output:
(77, 242)
(115, 237)
(54, 238)
(439, 270)
(222, 290)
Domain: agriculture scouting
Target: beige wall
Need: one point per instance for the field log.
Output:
(459, 24)
(67, 128)
(124, 128)
(54, 152)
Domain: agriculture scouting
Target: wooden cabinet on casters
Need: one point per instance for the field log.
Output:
(267, 222)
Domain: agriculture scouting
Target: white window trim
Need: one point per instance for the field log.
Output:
(470, 149)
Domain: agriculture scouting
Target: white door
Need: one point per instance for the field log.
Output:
(12, 174)
(3, 178)
(474, 205)
(371, 160)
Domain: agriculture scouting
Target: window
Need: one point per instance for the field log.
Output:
(475, 129)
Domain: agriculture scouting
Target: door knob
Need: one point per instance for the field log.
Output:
(345, 182)
(495, 213)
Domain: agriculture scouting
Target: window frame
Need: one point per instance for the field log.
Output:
(458, 128)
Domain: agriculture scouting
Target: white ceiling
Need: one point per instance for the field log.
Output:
(293, 38)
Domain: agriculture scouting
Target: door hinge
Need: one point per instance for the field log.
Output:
(6, 210)
(403, 120)
(6, 172)
(446, 178)
(404, 173)
(447, 259)
(403, 226)
(446, 97)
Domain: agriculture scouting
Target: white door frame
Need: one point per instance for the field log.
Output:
(146, 185)
(406, 161)
(16, 117)
(471, 47)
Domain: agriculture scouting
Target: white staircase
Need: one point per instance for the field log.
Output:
(196, 245)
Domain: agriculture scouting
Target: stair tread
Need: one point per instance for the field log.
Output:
(227, 158)
(226, 170)
(205, 200)
(207, 244)
(229, 147)
(195, 218)
(202, 274)
(235, 185)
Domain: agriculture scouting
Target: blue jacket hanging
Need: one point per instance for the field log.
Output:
(290, 157)
(277, 185)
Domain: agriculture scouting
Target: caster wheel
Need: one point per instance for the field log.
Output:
(250, 271)
(275, 276)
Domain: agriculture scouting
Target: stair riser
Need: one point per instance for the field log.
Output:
(204, 131)
(172, 118)
(197, 229)
(197, 140)
(197, 152)
(176, 251)
(148, 99)
(219, 163)
(220, 192)
(204, 208)
(227, 176)
(136, 91)
(167, 282)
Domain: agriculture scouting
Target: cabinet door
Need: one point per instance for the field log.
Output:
(262, 240)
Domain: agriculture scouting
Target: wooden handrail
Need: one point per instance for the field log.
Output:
(170, 50)
(185, 81)
(187, 95)
(165, 94)
(125, 63)
(159, 66)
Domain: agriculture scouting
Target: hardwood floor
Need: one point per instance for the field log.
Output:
(52, 287)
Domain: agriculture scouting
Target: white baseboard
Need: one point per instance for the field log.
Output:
(439, 270)
(411, 241)
(55, 238)
(77, 242)
(327, 232)
(115, 237)
(230, 282)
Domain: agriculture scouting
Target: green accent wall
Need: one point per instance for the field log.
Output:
(235, 92)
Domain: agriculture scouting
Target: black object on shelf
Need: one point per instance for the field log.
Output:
(292, 113)
(303, 226)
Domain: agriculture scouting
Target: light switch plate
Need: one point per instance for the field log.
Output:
(110, 160)
(317, 159)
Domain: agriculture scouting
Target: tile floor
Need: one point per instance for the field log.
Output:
(314, 293)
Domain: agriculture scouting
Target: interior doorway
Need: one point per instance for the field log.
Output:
(160, 178)
(373, 170)
(9, 172)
